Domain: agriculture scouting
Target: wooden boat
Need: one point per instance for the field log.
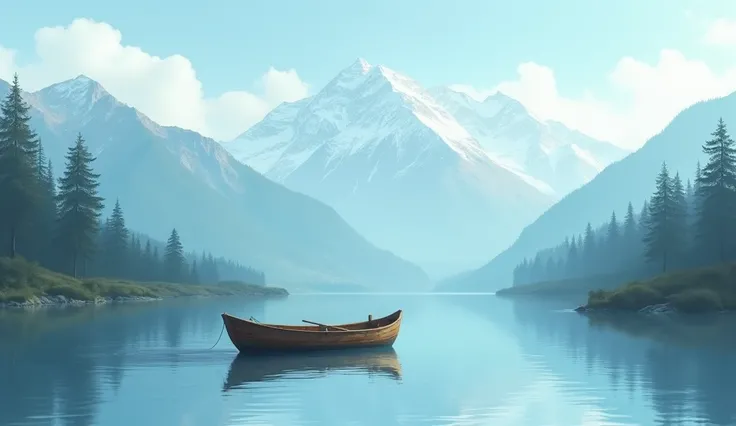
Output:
(251, 335)
(249, 369)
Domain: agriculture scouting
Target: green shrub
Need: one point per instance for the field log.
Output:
(697, 300)
(76, 293)
(127, 290)
(635, 297)
(16, 295)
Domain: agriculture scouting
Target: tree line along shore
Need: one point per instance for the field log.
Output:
(58, 250)
(677, 254)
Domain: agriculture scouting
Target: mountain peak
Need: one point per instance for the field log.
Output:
(499, 96)
(77, 84)
(361, 64)
(79, 91)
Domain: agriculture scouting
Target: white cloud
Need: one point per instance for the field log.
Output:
(165, 89)
(722, 32)
(653, 94)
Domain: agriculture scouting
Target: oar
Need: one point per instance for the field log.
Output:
(326, 326)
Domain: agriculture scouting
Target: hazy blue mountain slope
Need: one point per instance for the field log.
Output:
(168, 177)
(398, 167)
(630, 179)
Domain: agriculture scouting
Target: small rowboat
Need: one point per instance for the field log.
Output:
(251, 335)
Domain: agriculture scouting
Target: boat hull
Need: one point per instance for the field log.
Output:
(250, 336)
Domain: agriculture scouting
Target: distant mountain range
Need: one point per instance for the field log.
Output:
(432, 175)
(168, 177)
(631, 179)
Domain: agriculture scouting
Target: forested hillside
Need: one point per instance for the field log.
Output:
(57, 223)
(680, 226)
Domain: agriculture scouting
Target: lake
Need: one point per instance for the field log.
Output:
(459, 360)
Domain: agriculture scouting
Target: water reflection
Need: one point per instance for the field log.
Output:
(63, 363)
(249, 369)
(463, 361)
(682, 365)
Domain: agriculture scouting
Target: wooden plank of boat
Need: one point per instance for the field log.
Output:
(253, 368)
(249, 335)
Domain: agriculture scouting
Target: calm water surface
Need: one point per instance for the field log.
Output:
(459, 360)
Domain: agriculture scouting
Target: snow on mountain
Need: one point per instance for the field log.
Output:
(563, 158)
(397, 165)
(168, 177)
(632, 179)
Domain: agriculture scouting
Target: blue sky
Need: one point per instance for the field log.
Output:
(472, 42)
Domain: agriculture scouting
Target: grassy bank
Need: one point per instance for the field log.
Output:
(709, 289)
(23, 282)
(572, 287)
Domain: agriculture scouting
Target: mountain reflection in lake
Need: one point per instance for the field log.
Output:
(459, 360)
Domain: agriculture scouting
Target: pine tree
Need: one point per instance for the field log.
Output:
(194, 273)
(613, 244)
(698, 178)
(716, 225)
(573, 259)
(590, 250)
(135, 258)
(156, 274)
(79, 206)
(663, 238)
(214, 274)
(644, 219)
(174, 261)
(149, 263)
(36, 244)
(116, 253)
(629, 224)
(613, 232)
(19, 188)
(680, 214)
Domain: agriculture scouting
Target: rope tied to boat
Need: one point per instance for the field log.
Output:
(220, 337)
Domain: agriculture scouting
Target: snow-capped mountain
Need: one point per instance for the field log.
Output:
(564, 159)
(630, 180)
(167, 177)
(398, 166)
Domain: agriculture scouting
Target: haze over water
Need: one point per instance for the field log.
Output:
(459, 360)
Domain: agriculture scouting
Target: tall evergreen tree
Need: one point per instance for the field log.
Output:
(680, 214)
(19, 187)
(194, 273)
(156, 272)
(613, 232)
(35, 243)
(644, 219)
(573, 258)
(629, 224)
(115, 250)
(716, 226)
(214, 274)
(590, 250)
(612, 244)
(79, 206)
(663, 238)
(149, 263)
(174, 262)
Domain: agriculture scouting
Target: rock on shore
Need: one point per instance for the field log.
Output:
(662, 308)
(66, 301)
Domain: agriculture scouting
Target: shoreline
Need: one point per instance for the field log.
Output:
(63, 301)
(59, 301)
(654, 309)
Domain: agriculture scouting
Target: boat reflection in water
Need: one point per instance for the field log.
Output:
(247, 369)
